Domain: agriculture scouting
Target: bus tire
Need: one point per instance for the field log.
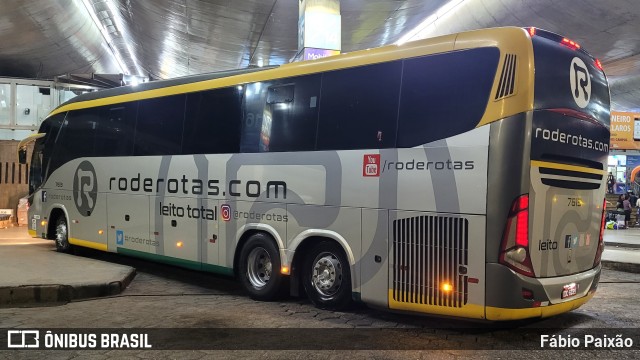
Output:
(259, 268)
(327, 276)
(61, 235)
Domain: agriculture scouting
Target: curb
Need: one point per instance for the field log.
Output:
(39, 294)
(620, 266)
(622, 245)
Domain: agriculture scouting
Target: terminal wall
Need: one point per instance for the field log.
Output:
(14, 177)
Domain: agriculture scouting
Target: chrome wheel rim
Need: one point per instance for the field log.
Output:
(259, 267)
(326, 274)
(61, 235)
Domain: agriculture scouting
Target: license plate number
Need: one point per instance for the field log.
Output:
(569, 290)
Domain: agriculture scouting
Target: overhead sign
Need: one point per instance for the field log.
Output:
(313, 53)
(625, 131)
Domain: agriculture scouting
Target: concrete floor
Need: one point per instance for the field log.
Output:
(171, 303)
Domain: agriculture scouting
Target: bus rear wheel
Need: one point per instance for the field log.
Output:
(259, 268)
(62, 235)
(327, 276)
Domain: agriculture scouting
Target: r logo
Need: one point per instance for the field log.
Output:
(85, 188)
(580, 82)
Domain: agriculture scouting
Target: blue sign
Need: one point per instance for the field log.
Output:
(633, 161)
(119, 237)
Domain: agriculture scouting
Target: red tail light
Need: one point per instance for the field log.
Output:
(599, 64)
(514, 251)
(600, 249)
(570, 43)
(532, 31)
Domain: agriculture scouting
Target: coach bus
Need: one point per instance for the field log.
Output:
(461, 175)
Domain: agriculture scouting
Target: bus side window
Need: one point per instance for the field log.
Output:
(51, 127)
(115, 130)
(77, 137)
(159, 126)
(456, 105)
(212, 122)
(359, 107)
(281, 115)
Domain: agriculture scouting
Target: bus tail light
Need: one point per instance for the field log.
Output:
(514, 251)
(532, 31)
(570, 43)
(598, 64)
(600, 249)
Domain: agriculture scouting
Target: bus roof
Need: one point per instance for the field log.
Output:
(506, 39)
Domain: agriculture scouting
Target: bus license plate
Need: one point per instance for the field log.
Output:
(569, 290)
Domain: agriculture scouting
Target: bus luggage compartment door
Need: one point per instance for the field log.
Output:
(128, 219)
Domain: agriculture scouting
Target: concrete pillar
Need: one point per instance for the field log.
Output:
(319, 29)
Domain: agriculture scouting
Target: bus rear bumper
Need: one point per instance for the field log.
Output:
(511, 296)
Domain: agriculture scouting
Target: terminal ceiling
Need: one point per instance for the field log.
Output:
(171, 38)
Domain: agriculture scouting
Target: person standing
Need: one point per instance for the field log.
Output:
(611, 181)
(626, 204)
(638, 212)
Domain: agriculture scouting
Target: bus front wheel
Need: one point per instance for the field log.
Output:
(62, 235)
(259, 268)
(327, 276)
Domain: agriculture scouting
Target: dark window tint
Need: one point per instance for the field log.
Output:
(444, 95)
(43, 149)
(359, 107)
(115, 130)
(77, 137)
(212, 123)
(281, 115)
(159, 126)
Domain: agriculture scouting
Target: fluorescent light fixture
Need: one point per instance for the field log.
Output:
(106, 35)
(120, 26)
(444, 9)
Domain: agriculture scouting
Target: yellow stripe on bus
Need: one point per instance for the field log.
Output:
(467, 311)
(88, 244)
(535, 163)
(490, 313)
(364, 57)
(510, 40)
(494, 313)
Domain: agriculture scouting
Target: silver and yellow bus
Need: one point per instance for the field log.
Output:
(461, 175)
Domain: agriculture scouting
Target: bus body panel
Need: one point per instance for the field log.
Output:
(421, 216)
(569, 148)
(505, 300)
(128, 220)
(507, 175)
(566, 77)
(375, 263)
(566, 194)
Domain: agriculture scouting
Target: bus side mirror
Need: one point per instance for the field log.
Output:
(22, 155)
